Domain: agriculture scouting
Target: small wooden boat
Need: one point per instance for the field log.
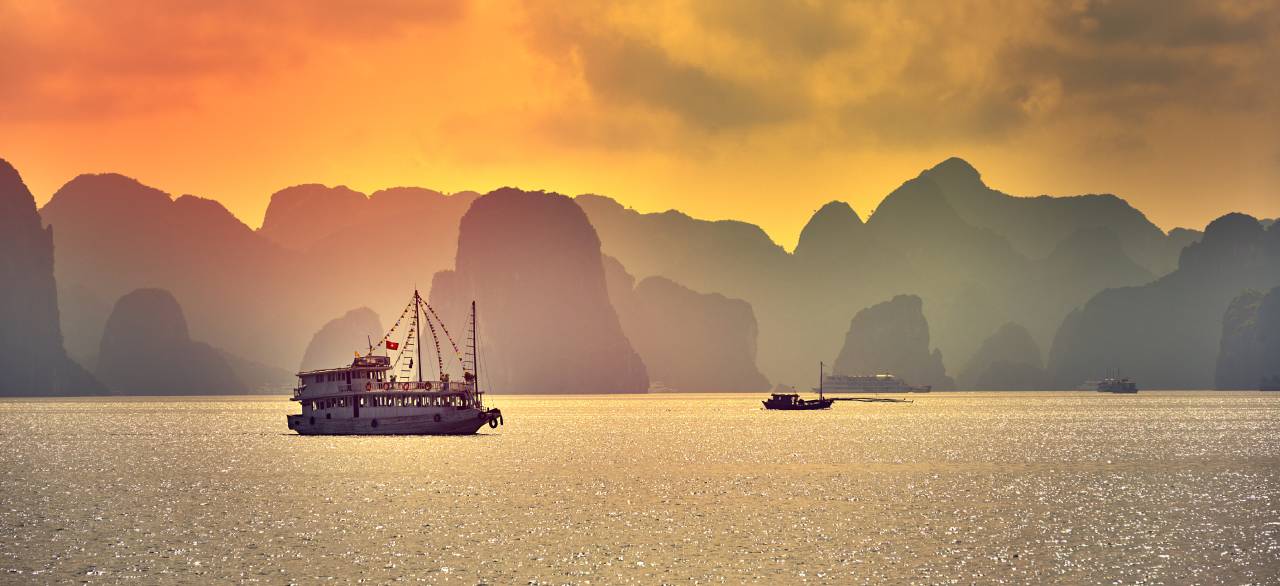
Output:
(793, 402)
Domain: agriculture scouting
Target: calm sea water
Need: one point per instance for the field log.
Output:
(1068, 487)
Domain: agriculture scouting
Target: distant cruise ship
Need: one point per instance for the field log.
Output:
(1117, 385)
(876, 383)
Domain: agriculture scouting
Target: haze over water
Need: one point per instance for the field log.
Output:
(1073, 487)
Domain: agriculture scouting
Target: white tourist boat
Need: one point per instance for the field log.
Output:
(388, 395)
(874, 383)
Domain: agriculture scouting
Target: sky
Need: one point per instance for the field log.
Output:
(756, 110)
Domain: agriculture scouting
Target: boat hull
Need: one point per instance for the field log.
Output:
(810, 405)
(425, 424)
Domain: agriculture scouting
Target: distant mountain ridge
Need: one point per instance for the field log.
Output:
(1167, 333)
(978, 258)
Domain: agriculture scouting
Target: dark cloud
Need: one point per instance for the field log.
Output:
(637, 72)
(799, 28)
(1170, 23)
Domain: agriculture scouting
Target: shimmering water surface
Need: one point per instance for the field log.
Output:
(1067, 487)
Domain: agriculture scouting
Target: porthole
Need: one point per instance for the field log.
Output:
(313, 420)
(374, 423)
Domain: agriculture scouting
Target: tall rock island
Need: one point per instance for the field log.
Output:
(1008, 360)
(689, 341)
(1249, 353)
(893, 337)
(532, 263)
(334, 345)
(1167, 334)
(32, 358)
(147, 350)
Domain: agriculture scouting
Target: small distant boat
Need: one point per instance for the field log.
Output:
(1117, 385)
(793, 402)
(376, 395)
(784, 401)
(875, 383)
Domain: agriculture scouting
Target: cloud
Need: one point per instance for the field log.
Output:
(89, 58)
(911, 74)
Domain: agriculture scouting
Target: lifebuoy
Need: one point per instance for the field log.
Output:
(493, 423)
(404, 386)
(428, 386)
(368, 386)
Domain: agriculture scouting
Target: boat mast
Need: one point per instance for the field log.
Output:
(821, 374)
(417, 330)
(475, 358)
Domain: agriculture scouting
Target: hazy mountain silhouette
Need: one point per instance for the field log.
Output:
(893, 337)
(799, 317)
(1084, 263)
(147, 350)
(532, 262)
(336, 342)
(386, 244)
(256, 294)
(976, 257)
(32, 358)
(689, 341)
(1166, 334)
(927, 237)
(1008, 360)
(1250, 347)
(115, 235)
(1035, 226)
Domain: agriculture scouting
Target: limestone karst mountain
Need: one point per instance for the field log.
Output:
(1035, 226)
(115, 235)
(1166, 334)
(922, 239)
(387, 243)
(336, 342)
(147, 350)
(1008, 360)
(1250, 348)
(32, 358)
(893, 337)
(532, 262)
(255, 294)
(834, 231)
(1084, 263)
(976, 257)
(689, 341)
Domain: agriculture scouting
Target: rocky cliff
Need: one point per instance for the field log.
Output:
(893, 337)
(336, 342)
(32, 356)
(1250, 347)
(1167, 334)
(689, 341)
(1008, 360)
(532, 263)
(147, 350)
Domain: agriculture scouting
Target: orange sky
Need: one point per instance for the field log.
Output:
(758, 110)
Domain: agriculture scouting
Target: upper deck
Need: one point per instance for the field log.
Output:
(368, 374)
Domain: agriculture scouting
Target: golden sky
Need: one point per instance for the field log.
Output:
(759, 110)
